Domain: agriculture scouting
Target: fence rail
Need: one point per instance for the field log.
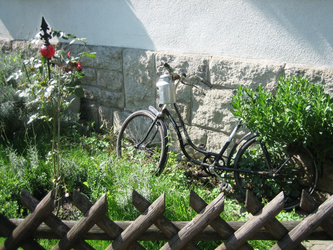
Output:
(152, 225)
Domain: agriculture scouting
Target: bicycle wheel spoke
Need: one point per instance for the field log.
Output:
(143, 143)
(292, 170)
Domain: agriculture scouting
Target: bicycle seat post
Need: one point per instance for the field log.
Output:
(162, 107)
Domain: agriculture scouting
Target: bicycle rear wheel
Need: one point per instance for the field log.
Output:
(135, 144)
(299, 172)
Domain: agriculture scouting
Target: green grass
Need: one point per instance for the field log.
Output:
(90, 166)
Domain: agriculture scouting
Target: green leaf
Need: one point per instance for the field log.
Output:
(78, 82)
(71, 36)
(91, 54)
(43, 59)
(77, 40)
(79, 92)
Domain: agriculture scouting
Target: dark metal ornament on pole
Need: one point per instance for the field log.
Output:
(46, 36)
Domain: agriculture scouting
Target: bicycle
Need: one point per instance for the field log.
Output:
(263, 170)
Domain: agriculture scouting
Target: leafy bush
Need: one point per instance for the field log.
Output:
(47, 83)
(15, 131)
(299, 112)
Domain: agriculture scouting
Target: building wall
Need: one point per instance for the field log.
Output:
(286, 31)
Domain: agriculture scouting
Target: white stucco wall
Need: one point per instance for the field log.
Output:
(291, 31)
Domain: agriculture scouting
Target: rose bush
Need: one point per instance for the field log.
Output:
(47, 84)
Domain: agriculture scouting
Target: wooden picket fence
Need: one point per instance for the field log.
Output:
(152, 225)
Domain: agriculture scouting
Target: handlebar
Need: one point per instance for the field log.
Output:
(182, 77)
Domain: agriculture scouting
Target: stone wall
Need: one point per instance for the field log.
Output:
(120, 81)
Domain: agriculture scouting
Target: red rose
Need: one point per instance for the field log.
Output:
(47, 51)
(79, 67)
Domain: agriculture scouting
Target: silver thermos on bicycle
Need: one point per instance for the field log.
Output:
(166, 89)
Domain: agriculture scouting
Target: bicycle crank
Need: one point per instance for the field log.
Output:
(224, 187)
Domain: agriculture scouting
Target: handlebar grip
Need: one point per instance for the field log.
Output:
(167, 66)
(206, 82)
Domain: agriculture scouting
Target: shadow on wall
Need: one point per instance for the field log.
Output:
(305, 22)
(102, 22)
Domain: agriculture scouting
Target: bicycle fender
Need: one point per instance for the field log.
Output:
(245, 137)
(153, 110)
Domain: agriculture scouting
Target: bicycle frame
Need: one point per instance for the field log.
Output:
(217, 156)
(189, 142)
(167, 95)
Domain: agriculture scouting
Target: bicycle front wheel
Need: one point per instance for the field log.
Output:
(143, 142)
(292, 170)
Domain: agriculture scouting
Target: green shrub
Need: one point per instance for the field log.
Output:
(299, 112)
(14, 113)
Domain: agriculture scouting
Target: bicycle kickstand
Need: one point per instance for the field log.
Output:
(224, 187)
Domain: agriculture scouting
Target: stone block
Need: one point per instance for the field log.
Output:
(118, 119)
(90, 77)
(104, 97)
(111, 80)
(231, 73)
(212, 111)
(183, 93)
(322, 76)
(105, 116)
(139, 79)
(184, 110)
(23, 45)
(109, 58)
(5, 46)
(191, 65)
(216, 141)
(75, 49)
